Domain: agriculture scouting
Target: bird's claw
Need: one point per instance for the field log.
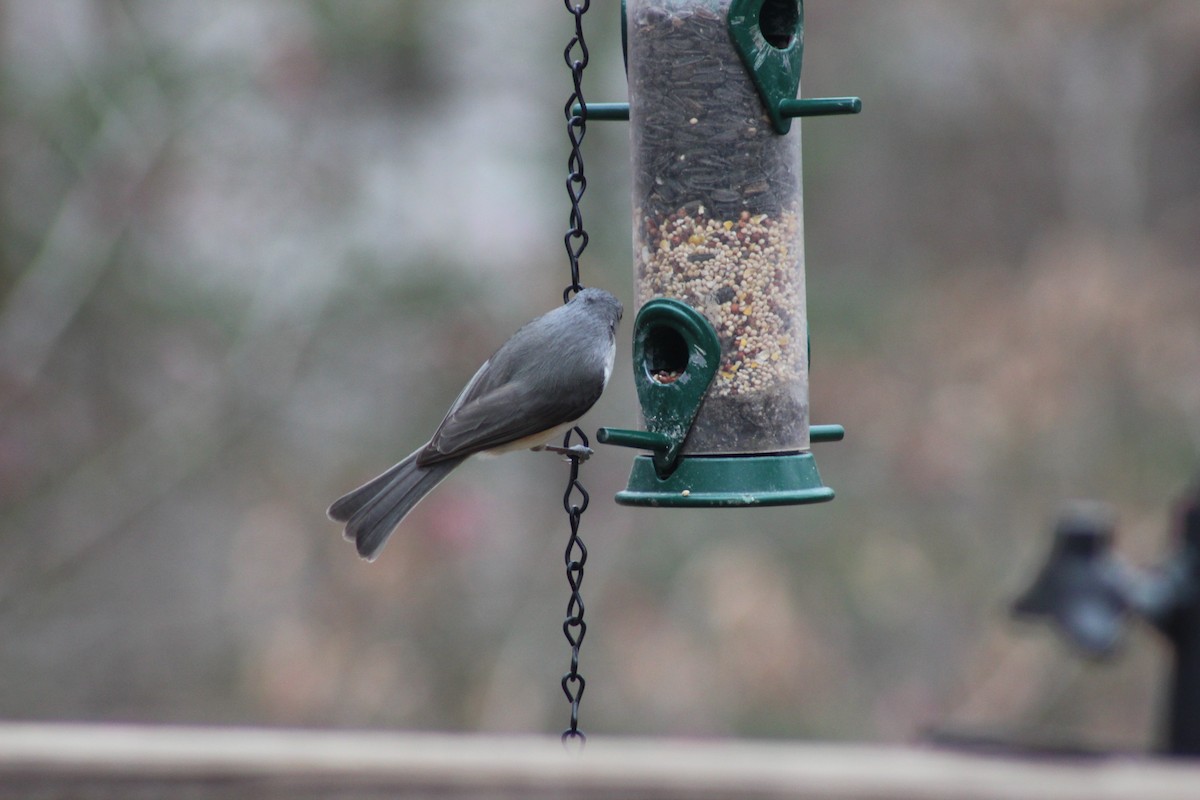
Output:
(580, 452)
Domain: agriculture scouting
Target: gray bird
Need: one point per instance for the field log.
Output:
(533, 388)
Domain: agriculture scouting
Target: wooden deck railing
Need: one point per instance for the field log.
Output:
(133, 762)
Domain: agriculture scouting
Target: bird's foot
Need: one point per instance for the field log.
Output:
(578, 451)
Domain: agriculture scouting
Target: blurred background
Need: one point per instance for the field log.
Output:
(251, 249)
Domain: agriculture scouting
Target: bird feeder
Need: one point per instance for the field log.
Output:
(720, 342)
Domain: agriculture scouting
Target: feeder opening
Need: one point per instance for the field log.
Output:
(779, 21)
(665, 354)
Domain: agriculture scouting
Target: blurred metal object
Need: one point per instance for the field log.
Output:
(1082, 585)
(1089, 593)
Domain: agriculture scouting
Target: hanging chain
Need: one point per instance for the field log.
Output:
(576, 56)
(574, 628)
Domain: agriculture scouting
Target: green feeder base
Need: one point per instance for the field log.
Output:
(727, 482)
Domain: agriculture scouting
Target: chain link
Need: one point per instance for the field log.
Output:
(576, 56)
(575, 499)
(575, 557)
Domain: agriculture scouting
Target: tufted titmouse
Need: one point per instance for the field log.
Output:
(534, 387)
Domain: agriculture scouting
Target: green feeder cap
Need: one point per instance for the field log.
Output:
(728, 482)
(732, 481)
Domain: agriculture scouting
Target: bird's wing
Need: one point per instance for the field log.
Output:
(502, 415)
(474, 387)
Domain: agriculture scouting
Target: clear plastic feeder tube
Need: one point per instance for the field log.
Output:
(718, 220)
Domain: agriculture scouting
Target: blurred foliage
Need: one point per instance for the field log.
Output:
(252, 248)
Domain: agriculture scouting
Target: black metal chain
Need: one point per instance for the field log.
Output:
(574, 628)
(576, 56)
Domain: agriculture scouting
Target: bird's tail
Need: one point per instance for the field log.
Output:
(372, 511)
